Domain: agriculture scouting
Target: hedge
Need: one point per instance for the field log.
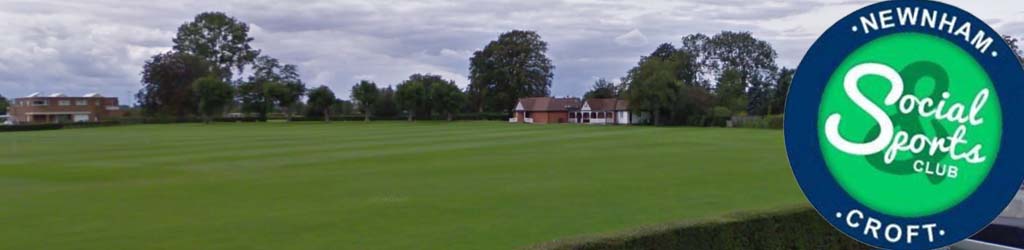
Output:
(800, 228)
(457, 117)
(30, 127)
(768, 122)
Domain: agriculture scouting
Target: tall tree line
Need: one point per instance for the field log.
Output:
(202, 74)
(706, 79)
(422, 95)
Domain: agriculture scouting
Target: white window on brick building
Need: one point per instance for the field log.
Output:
(64, 102)
(81, 102)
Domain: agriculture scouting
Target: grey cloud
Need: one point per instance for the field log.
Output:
(100, 45)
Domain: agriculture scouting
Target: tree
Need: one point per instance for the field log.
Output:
(270, 83)
(343, 107)
(212, 94)
(167, 83)
(288, 90)
(693, 106)
(509, 68)
(425, 94)
(322, 99)
(218, 38)
(602, 89)
(730, 90)
(664, 51)
(411, 95)
(286, 96)
(754, 60)
(653, 86)
(386, 106)
(685, 65)
(781, 91)
(4, 104)
(254, 97)
(1012, 41)
(447, 99)
(365, 94)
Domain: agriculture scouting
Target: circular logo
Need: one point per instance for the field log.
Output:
(913, 111)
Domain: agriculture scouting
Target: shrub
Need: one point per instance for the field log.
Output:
(799, 228)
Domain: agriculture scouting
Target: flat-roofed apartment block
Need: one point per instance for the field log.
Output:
(59, 108)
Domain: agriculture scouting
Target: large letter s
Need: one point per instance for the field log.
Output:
(884, 123)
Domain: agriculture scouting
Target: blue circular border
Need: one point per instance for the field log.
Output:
(802, 144)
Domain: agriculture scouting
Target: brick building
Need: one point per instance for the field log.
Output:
(59, 108)
(544, 110)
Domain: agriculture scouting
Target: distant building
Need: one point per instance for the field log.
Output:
(543, 110)
(606, 111)
(59, 108)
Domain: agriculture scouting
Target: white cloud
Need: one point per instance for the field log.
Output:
(632, 38)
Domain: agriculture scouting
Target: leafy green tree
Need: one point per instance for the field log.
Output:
(447, 99)
(4, 104)
(167, 84)
(653, 87)
(365, 94)
(730, 90)
(270, 83)
(739, 51)
(212, 95)
(781, 91)
(343, 107)
(287, 95)
(429, 82)
(386, 105)
(322, 99)
(423, 95)
(733, 50)
(411, 95)
(218, 38)
(602, 89)
(688, 99)
(288, 91)
(254, 97)
(509, 68)
(693, 106)
(664, 51)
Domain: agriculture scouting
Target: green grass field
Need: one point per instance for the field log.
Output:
(380, 185)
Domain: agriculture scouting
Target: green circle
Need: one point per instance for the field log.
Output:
(897, 188)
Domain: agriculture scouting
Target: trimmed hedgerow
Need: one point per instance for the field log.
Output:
(30, 127)
(785, 229)
(766, 122)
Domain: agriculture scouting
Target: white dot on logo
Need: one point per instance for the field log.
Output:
(942, 232)
(995, 54)
(854, 28)
(839, 214)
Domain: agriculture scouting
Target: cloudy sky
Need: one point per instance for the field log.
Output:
(77, 46)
